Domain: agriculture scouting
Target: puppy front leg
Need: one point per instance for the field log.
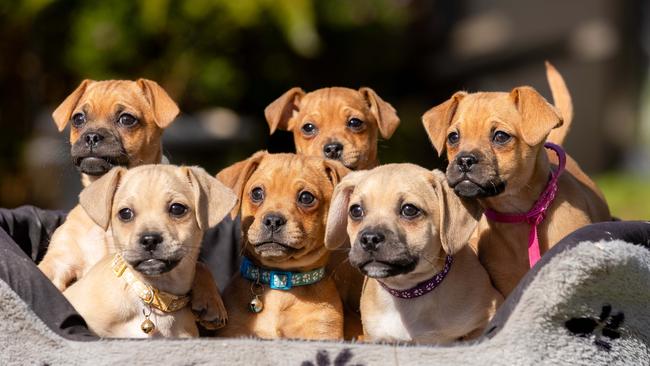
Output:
(62, 261)
(207, 304)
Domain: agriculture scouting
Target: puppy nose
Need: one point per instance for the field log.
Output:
(92, 139)
(150, 240)
(273, 222)
(370, 240)
(465, 162)
(333, 150)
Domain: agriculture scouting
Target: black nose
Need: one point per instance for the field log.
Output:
(370, 240)
(333, 150)
(465, 162)
(150, 240)
(92, 139)
(273, 222)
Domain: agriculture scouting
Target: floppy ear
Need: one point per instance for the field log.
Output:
(384, 113)
(437, 120)
(537, 115)
(63, 112)
(164, 108)
(212, 199)
(236, 176)
(337, 216)
(458, 217)
(280, 111)
(335, 170)
(97, 198)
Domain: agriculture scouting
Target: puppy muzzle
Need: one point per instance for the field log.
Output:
(379, 254)
(472, 176)
(97, 151)
(150, 255)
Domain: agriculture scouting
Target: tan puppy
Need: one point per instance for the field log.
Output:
(341, 124)
(338, 123)
(284, 200)
(113, 123)
(494, 143)
(409, 233)
(157, 215)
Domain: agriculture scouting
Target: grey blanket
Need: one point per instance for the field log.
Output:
(584, 304)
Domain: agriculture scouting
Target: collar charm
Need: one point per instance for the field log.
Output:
(150, 296)
(277, 280)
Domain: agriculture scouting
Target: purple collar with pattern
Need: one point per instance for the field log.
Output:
(423, 287)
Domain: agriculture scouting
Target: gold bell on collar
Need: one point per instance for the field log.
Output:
(147, 325)
(256, 305)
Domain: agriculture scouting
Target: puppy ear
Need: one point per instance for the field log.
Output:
(164, 108)
(437, 120)
(458, 217)
(280, 111)
(337, 216)
(537, 115)
(212, 199)
(236, 176)
(63, 112)
(335, 171)
(384, 113)
(97, 198)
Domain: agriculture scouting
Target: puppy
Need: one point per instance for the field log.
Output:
(157, 215)
(282, 290)
(409, 233)
(495, 144)
(341, 124)
(338, 123)
(114, 123)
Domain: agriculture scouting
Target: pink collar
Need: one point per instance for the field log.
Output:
(536, 214)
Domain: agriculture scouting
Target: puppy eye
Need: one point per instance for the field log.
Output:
(306, 199)
(355, 124)
(501, 137)
(257, 195)
(409, 211)
(78, 119)
(127, 120)
(356, 212)
(309, 129)
(177, 210)
(453, 138)
(126, 214)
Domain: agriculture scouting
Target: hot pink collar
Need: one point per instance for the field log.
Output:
(536, 214)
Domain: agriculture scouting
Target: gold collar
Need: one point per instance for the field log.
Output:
(161, 300)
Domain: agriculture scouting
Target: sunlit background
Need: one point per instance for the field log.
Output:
(223, 61)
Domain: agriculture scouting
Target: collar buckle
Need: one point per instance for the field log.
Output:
(280, 280)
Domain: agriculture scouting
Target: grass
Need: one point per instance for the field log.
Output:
(628, 195)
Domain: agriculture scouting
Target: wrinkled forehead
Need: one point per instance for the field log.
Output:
(154, 185)
(110, 93)
(333, 98)
(287, 170)
(486, 107)
(394, 185)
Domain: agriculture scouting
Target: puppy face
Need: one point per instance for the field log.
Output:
(492, 139)
(284, 201)
(115, 123)
(336, 123)
(400, 219)
(157, 213)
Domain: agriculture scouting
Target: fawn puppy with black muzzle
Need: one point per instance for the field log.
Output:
(157, 215)
(409, 235)
(283, 289)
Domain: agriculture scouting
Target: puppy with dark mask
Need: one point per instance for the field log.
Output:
(409, 235)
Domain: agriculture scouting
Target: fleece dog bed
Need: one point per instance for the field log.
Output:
(587, 302)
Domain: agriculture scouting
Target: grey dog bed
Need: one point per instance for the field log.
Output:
(587, 302)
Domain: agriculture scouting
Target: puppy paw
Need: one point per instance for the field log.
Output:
(206, 303)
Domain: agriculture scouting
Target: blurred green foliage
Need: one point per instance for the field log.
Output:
(627, 194)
